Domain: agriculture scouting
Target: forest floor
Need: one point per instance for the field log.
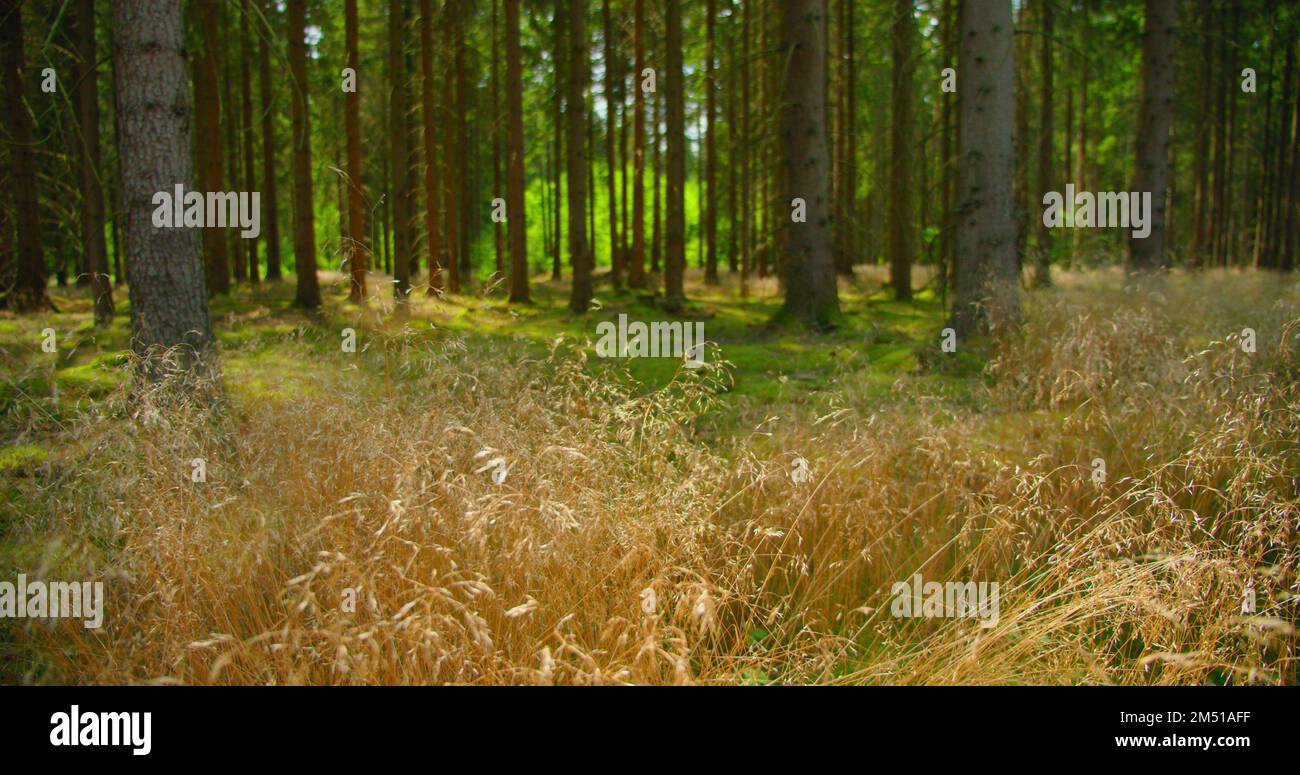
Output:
(648, 523)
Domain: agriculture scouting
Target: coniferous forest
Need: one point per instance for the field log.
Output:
(649, 341)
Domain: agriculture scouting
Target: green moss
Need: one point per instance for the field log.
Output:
(22, 460)
(95, 379)
(267, 345)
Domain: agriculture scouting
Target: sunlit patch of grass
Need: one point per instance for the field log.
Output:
(22, 459)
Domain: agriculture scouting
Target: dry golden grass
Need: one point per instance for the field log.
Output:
(377, 477)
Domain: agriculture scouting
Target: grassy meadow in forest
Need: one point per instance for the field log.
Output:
(648, 528)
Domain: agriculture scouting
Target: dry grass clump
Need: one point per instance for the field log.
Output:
(499, 519)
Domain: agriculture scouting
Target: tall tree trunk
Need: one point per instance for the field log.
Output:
(702, 194)
(561, 67)
(207, 101)
(764, 144)
(304, 227)
(432, 216)
(498, 140)
(837, 135)
(515, 154)
(246, 125)
(1081, 150)
(92, 196)
(450, 149)
(1232, 87)
(461, 121)
(901, 243)
(413, 144)
(230, 133)
(355, 249)
(848, 247)
(28, 293)
(747, 150)
(674, 94)
(948, 135)
(733, 147)
(1067, 137)
(656, 159)
(7, 268)
(397, 142)
(611, 123)
(592, 191)
(986, 283)
(1023, 56)
(1155, 118)
(624, 202)
(169, 310)
(576, 105)
(1200, 164)
(269, 193)
(810, 283)
(1218, 189)
(710, 202)
(1290, 215)
(1275, 162)
(1043, 252)
(636, 272)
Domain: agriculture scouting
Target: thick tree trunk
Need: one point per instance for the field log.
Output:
(397, 143)
(763, 143)
(1232, 84)
(733, 150)
(746, 151)
(986, 282)
(413, 152)
(461, 121)
(92, 196)
(1080, 176)
(515, 208)
(611, 124)
(901, 242)
(230, 134)
(561, 67)
(432, 215)
(576, 106)
(656, 162)
(810, 283)
(674, 94)
(450, 149)
(636, 272)
(355, 248)
(1155, 118)
(270, 211)
(592, 191)
(28, 292)
(624, 202)
(948, 135)
(207, 101)
(1218, 190)
(304, 228)
(849, 246)
(1023, 56)
(1290, 216)
(246, 125)
(497, 136)
(169, 310)
(1200, 164)
(711, 199)
(1043, 252)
